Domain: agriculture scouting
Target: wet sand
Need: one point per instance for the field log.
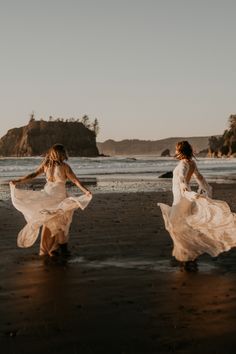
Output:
(119, 292)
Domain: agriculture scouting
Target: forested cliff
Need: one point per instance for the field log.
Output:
(38, 136)
(224, 145)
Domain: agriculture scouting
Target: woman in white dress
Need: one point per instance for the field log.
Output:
(196, 223)
(51, 208)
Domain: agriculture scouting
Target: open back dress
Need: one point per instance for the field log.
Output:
(49, 208)
(196, 223)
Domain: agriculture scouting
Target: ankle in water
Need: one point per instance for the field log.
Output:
(191, 265)
(64, 249)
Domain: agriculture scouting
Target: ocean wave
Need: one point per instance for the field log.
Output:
(112, 166)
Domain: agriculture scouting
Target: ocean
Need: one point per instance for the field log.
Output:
(117, 174)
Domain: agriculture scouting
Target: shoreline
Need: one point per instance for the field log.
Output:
(109, 185)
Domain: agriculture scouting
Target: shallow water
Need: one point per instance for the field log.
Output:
(119, 174)
(140, 264)
(125, 167)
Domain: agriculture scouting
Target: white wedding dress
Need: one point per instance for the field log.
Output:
(195, 222)
(51, 208)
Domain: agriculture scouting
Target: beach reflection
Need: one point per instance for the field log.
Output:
(175, 310)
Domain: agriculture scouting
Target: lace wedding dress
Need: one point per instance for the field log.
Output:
(195, 222)
(51, 208)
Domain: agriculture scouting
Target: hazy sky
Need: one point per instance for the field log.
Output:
(146, 69)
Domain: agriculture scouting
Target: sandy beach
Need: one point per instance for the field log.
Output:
(119, 292)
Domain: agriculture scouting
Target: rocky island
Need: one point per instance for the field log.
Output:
(35, 138)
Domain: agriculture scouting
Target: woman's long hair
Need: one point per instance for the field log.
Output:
(55, 156)
(184, 150)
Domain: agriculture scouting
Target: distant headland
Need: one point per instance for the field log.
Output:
(164, 147)
(205, 146)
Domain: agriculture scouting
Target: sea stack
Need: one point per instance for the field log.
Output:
(35, 138)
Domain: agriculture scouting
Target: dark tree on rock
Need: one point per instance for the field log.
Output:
(228, 146)
(214, 146)
(232, 122)
(85, 121)
(95, 126)
(231, 136)
(32, 117)
(224, 145)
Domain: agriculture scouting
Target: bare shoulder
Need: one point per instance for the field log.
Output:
(66, 167)
(42, 168)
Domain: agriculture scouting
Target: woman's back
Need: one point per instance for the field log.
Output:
(55, 173)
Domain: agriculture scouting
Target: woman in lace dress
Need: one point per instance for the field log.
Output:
(196, 223)
(51, 207)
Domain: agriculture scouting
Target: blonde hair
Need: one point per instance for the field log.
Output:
(56, 155)
(184, 150)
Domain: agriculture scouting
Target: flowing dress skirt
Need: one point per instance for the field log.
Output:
(50, 208)
(198, 224)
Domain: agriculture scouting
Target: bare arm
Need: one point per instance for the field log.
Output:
(29, 177)
(72, 177)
